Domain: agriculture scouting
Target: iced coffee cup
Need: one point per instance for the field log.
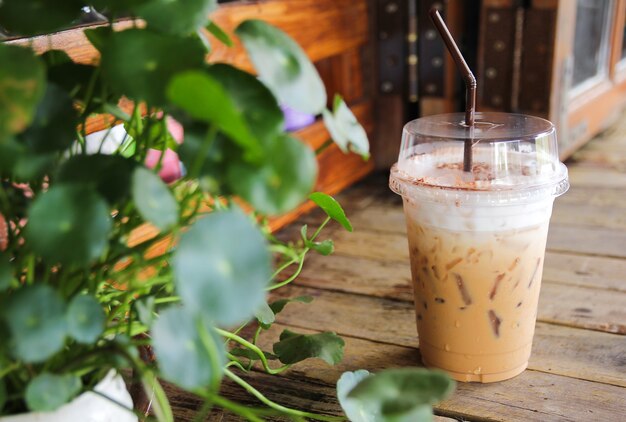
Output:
(477, 236)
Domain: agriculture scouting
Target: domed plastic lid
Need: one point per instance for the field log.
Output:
(510, 153)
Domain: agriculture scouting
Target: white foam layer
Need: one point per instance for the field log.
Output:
(464, 217)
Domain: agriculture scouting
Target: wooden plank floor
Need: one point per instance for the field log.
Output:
(578, 367)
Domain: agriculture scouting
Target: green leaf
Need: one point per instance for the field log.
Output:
(54, 125)
(213, 157)
(177, 17)
(73, 78)
(294, 347)
(69, 224)
(283, 180)
(399, 393)
(325, 247)
(153, 199)
(29, 167)
(22, 85)
(355, 410)
(332, 208)
(182, 357)
(47, 392)
(222, 266)
(6, 273)
(145, 310)
(98, 36)
(109, 175)
(345, 130)
(283, 66)
(252, 99)
(139, 64)
(205, 99)
(249, 354)
(37, 322)
(278, 305)
(219, 33)
(32, 17)
(265, 315)
(85, 319)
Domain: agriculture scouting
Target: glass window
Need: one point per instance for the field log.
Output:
(591, 40)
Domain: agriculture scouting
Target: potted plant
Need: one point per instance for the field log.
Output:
(80, 294)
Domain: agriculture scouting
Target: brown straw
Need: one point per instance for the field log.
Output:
(468, 77)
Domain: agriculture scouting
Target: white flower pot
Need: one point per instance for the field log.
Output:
(89, 407)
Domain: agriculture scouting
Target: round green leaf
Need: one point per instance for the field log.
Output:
(54, 125)
(397, 393)
(85, 319)
(184, 357)
(153, 199)
(355, 410)
(222, 266)
(110, 175)
(22, 84)
(332, 208)
(345, 130)
(47, 392)
(205, 99)
(139, 63)
(31, 17)
(69, 224)
(177, 17)
(283, 66)
(252, 98)
(283, 180)
(37, 322)
(294, 347)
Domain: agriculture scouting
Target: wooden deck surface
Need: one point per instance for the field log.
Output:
(577, 371)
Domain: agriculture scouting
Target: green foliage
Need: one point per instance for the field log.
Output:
(85, 319)
(294, 347)
(283, 66)
(345, 129)
(177, 17)
(206, 99)
(153, 199)
(73, 215)
(109, 175)
(81, 289)
(32, 17)
(219, 33)
(138, 63)
(332, 208)
(184, 356)
(36, 318)
(6, 272)
(221, 267)
(54, 125)
(22, 85)
(393, 395)
(47, 392)
(281, 182)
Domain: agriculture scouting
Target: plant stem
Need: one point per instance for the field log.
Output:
(212, 352)
(256, 393)
(255, 349)
(206, 145)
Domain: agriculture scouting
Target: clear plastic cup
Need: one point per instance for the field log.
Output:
(477, 238)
